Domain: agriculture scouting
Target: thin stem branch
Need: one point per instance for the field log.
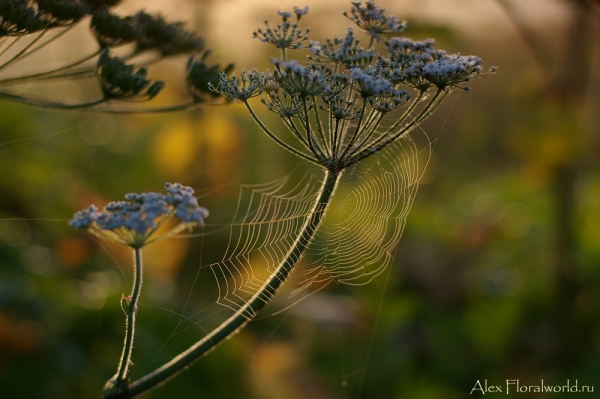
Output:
(275, 138)
(247, 312)
(351, 97)
(320, 127)
(312, 141)
(332, 130)
(294, 129)
(425, 112)
(84, 72)
(54, 73)
(335, 140)
(370, 133)
(25, 51)
(356, 131)
(50, 104)
(406, 113)
(9, 46)
(186, 105)
(123, 370)
(371, 42)
(384, 140)
(369, 126)
(183, 106)
(373, 115)
(53, 38)
(424, 115)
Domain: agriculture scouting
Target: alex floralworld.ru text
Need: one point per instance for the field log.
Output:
(514, 386)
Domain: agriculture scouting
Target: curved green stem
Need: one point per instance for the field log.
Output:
(370, 132)
(373, 116)
(247, 312)
(65, 29)
(357, 131)
(83, 72)
(50, 104)
(131, 311)
(183, 106)
(385, 140)
(289, 123)
(10, 45)
(313, 144)
(121, 379)
(342, 128)
(186, 105)
(335, 139)
(54, 73)
(320, 128)
(30, 48)
(80, 73)
(406, 113)
(275, 138)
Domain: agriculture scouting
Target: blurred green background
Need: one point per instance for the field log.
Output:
(496, 276)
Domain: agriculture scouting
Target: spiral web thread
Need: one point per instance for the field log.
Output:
(353, 245)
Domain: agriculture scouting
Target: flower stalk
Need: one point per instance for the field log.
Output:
(120, 381)
(247, 312)
(135, 223)
(122, 372)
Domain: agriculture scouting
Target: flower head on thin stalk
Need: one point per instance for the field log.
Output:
(333, 105)
(373, 20)
(294, 78)
(134, 222)
(346, 51)
(286, 35)
(251, 85)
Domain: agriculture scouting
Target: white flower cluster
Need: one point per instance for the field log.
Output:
(252, 84)
(373, 20)
(285, 35)
(405, 45)
(132, 222)
(353, 88)
(345, 51)
(442, 70)
(369, 83)
(296, 79)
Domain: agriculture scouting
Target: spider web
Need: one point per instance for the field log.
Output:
(353, 245)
